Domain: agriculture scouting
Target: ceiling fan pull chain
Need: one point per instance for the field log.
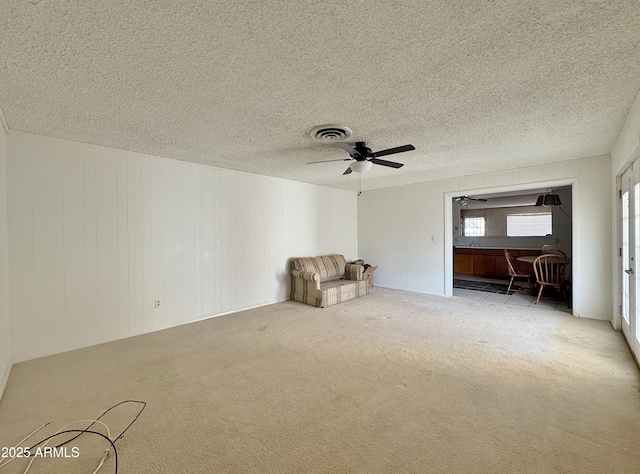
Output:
(359, 184)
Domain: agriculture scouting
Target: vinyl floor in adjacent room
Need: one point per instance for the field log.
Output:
(391, 382)
(495, 292)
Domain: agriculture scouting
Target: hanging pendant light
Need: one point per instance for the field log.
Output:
(548, 199)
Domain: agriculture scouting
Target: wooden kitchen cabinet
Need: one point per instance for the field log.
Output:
(502, 269)
(488, 263)
(484, 264)
(463, 261)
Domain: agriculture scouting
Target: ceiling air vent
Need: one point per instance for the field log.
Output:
(330, 133)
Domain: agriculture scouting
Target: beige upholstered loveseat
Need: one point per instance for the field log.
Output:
(327, 280)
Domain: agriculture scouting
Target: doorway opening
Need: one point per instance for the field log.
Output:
(496, 238)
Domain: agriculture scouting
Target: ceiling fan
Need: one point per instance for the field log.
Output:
(364, 158)
(464, 200)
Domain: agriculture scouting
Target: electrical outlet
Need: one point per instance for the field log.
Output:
(157, 304)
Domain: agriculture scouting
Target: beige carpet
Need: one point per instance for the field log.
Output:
(392, 382)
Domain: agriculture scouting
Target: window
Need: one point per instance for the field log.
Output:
(529, 225)
(473, 226)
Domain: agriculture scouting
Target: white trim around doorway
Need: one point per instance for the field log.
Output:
(576, 240)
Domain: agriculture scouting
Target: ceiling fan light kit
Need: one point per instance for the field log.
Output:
(361, 166)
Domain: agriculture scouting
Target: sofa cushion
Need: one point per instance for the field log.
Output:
(335, 292)
(334, 283)
(330, 267)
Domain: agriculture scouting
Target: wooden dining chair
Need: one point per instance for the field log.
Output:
(550, 270)
(514, 270)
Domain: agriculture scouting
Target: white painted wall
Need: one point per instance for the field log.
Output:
(396, 225)
(628, 140)
(5, 332)
(98, 234)
(625, 151)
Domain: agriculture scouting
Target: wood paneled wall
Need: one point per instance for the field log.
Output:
(98, 234)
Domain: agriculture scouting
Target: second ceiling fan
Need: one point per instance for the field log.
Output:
(464, 200)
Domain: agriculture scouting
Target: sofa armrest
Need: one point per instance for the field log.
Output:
(353, 271)
(311, 276)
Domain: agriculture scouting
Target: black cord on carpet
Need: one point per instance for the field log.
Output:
(144, 404)
(87, 430)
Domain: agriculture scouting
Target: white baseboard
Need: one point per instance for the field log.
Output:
(5, 378)
(21, 358)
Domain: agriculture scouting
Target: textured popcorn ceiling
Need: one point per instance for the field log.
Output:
(475, 86)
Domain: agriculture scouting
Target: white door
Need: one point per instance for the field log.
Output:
(630, 197)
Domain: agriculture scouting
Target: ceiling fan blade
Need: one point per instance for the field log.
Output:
(348, 171)
(391, 164)
(391, 151)
(328, 161)
(348, 148)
